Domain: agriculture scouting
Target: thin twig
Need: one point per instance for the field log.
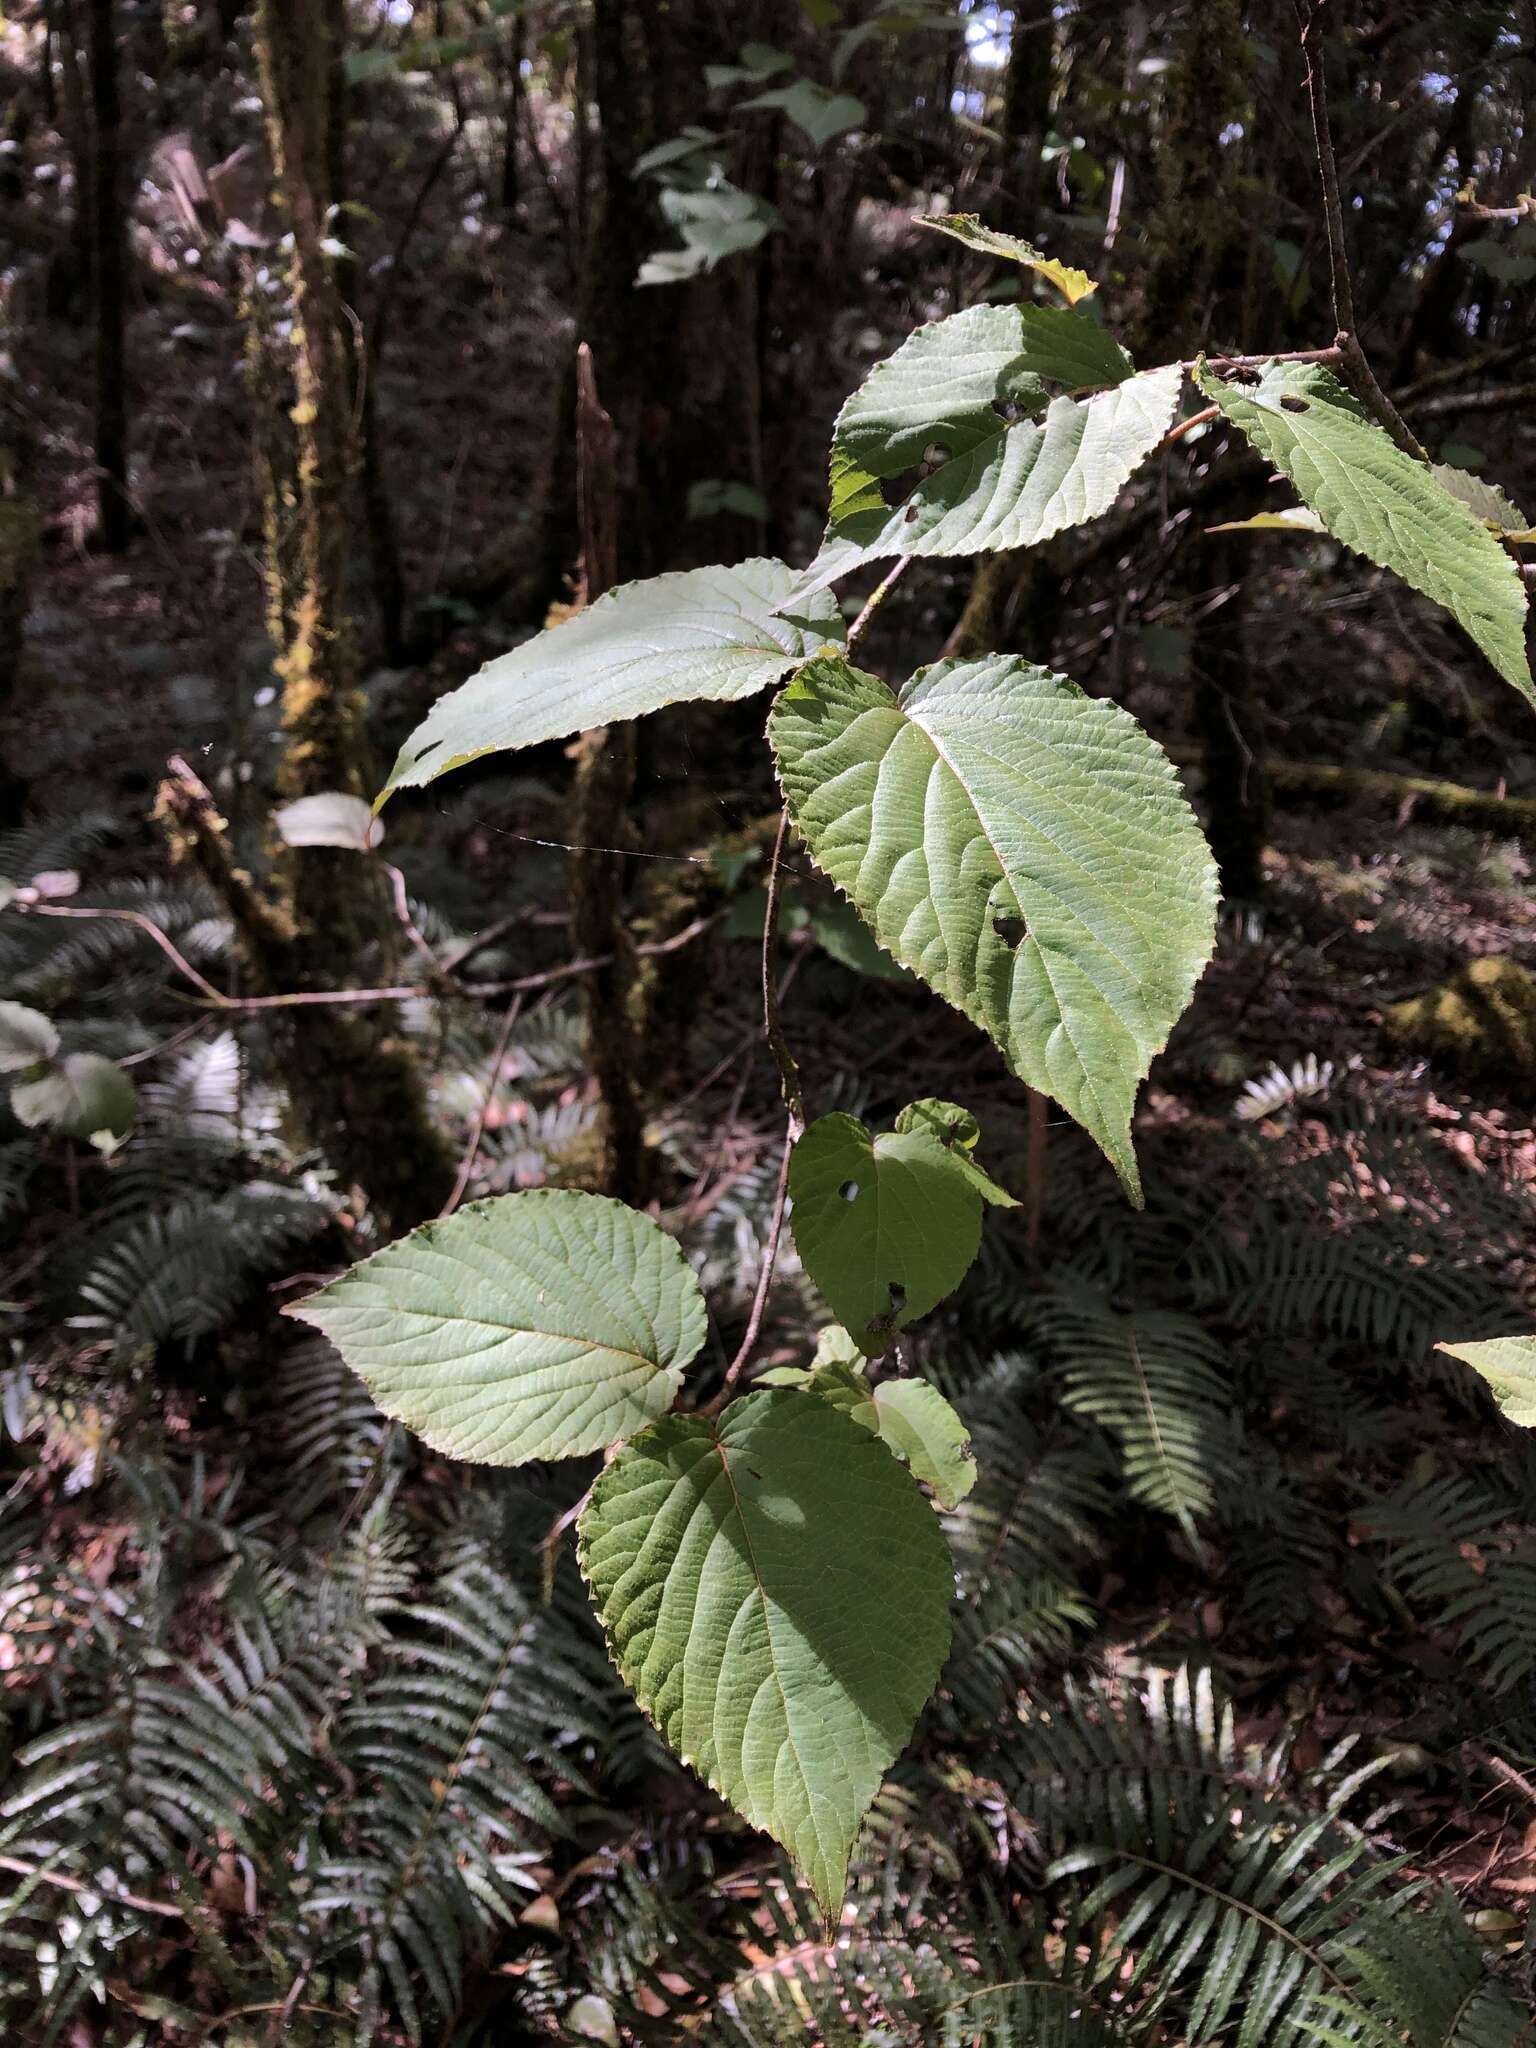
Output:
(794, 1103)
(1361, 375)
(1198, 419)
(754, 1327)
(877, 598)
(472, 1152)
(778, 1044)
(65, 1883)
(1332, 354)
(134, 917)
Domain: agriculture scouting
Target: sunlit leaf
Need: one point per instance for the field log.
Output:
(538, 1325)
(1508, 1364)
(1382, 503)
(969, 438)
(710, 633)
(775, 1589)
(966, 227)
(1025, 849)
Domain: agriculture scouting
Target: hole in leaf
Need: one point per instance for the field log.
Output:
(849, 1191)
(935, 453)
(430, 748)
(1013, 931)
(1290, 403)
(898, 1297)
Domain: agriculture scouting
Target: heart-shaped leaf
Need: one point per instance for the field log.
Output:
(539, 1325)
(1025, 849)
(886, 1226)
(775, 1589)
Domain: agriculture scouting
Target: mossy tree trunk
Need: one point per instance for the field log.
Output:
(355, 1083)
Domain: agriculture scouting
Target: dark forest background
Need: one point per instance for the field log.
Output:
(310, 1737)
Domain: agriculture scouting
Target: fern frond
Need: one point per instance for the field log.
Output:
(1157, 1382)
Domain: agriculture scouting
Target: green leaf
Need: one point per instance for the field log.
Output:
(84, 1096)
(1025, 849)
(817, 112)
(1382, 503)
(1485, 501)
(910, 1416)
(758, 61)
(676, 149)
(886, 1227)
(539, 1325)
(710, 633)
(843, 934)
(1289, 519)
(967, 402)
(966, 227)
(1508, 1364)
(775, 1589)
(959, 1133)
(26, 1036)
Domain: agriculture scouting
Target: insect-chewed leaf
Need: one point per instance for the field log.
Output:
(713, 633)
(910, 1416)
(968, 228)
(977, 404)
(886, 1226)
(538, 1325)
(1508, 1364)
(1025, 849)
(775, 1589)
(1382, 503)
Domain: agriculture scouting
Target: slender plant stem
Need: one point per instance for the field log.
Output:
(1198, 419)
(877, 598)
(778, 1044)
(477, 1136)
(794, 1103)
(1332, 354)
(162, 1907)
(1347, 341)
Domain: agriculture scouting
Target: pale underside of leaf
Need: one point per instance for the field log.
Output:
(1508, 1364)
(775, 1589)
(713, 633)
(1382, 503)
(1011, 487)
(1025, 849)
(538, 1325)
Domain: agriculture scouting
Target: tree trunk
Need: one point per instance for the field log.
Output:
(18, 550)
(110, 273)
(1196, 263)
(354, 1082)
(511, 187)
